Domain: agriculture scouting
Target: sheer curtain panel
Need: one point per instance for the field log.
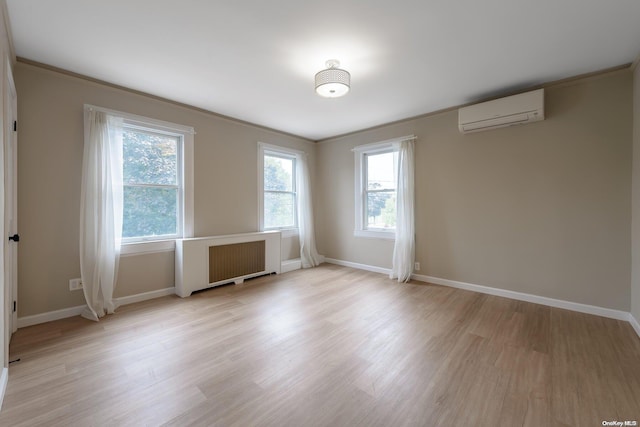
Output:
(404, 249)
(308, 253)
(100, 211)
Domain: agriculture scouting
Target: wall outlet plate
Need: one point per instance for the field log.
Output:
(75, 284)
(417, 266)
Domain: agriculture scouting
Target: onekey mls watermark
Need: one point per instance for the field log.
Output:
(620, 423)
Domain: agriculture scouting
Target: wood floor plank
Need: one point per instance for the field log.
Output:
(330, 346)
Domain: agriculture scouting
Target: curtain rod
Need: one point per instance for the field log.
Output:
(386, 142)
(142, 120)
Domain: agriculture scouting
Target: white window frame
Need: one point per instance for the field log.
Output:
(361, 153)
(132, 246)
(276, 150)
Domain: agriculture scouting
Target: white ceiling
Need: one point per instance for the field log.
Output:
(255, 60)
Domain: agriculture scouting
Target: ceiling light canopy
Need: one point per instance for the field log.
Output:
(333, 82)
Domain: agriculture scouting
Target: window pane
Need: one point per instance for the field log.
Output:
(381, 171)
(149, 211)
(278, 174)
(381, 209)
(149, 158)
(279, 210)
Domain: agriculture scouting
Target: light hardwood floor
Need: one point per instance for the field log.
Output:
(331, 346)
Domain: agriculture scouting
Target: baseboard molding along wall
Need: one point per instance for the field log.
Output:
(295, 264)
(290, 265)
(366, 267)
(50, 316)
(520, 296)
(23, 322)
(132, 299)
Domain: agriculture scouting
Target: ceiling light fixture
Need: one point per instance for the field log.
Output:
(333, 82)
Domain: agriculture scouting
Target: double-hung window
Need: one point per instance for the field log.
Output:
(157, 183)
(152, 184)
(376, 168)
(278, 197)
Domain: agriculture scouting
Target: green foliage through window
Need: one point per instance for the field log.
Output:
(151, 184)
(380, 190)
(279, 191)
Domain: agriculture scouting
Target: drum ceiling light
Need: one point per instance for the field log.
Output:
(333, 82)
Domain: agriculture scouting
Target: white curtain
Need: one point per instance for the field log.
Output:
(404, 249)
(100, 211)
(308, 252)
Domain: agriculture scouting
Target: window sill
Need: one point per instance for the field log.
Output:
(387, 235)
(139, 248)
(285, 233)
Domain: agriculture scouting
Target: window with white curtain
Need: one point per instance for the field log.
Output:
(278, 189)
(376, 168)
(157, 168)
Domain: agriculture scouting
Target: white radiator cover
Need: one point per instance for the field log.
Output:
(192, 259)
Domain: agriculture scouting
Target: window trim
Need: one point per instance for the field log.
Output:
(179, 186)
(277, 150)
(185, 155)
(360, 152)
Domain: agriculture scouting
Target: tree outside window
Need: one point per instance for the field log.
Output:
(279, 191)
(151, 182)
(380, 190)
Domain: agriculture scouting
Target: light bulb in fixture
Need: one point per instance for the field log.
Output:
(333, 82)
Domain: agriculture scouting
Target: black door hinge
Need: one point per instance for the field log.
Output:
(15, 306)
(15, 125)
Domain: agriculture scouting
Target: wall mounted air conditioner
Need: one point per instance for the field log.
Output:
(513, 110)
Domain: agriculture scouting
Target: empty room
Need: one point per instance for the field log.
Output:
(338, 214)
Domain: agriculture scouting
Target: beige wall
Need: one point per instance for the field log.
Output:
(542, 209)
(50, 166)
(635, 253)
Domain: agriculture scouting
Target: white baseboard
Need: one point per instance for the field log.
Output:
(131, 299)
(295, 264)
(50, 316)
(520, 296)
(358, 266)
(290, 265)
(634, 324)
(4, 378)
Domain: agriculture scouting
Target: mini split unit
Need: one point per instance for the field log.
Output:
(513, 110)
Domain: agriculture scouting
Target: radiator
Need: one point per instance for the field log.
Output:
(235, 260)
(204, 262)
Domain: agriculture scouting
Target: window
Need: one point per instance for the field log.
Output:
(157, 172)
(380, 190)
(375, 204)
(152, 180)
(278, 193)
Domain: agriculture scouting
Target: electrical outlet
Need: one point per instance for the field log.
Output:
(417, 266)
(75, 284)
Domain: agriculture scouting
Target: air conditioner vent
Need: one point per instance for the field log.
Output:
(513, 110)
